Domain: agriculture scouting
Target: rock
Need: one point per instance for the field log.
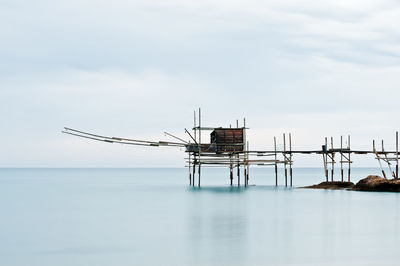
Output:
(377, 183)
(333, 185)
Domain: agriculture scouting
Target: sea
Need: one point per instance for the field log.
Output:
(138, 216)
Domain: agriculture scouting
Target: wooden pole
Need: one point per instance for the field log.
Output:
(248, 166)
(388, 162)
(245, 154)
(333, 160)
(238, 174)
(238, 157)
(349, 170)
(194, 153)
(384, 175)
(290, 165)
(378, 158)
(199, 145)
(326, 159)
(199, 171)
(238, 165)
(194, 168)
(190, 173)
(341, 157)
(284, 155)
(245, 175)
(231, 171)
(276, 164)
(397, 155)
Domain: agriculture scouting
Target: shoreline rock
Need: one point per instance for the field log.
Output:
(372, 183)
(377, 183)
(336, 185)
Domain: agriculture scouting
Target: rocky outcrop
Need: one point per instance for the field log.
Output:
(377, 183)
(333, 185)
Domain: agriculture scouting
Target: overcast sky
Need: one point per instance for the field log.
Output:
(139, 68)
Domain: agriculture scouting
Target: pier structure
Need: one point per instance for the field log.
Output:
(228, 147)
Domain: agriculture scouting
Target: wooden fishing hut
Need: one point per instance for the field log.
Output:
(228, 147)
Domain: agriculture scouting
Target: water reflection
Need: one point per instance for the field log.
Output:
(217, 226)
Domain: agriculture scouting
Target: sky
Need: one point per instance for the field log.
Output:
(139, 68)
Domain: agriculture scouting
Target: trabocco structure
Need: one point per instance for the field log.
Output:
(228, 147)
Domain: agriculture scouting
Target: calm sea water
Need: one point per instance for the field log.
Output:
(152, 217)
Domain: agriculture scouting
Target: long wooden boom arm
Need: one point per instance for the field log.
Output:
(87, 135)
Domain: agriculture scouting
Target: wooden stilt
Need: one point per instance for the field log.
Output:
(276, 164)
(238, 174)
(349, 170)
(341, 157)
(326, 159)
(284, 155)
(231, 174)
(388, 162)
(291, 162)
(248, 165)
(245, 153)
(378, 158)
(199, 167)
(397, 155)
(199, 172)
(248, 174)
(194, 170)
(384, 175)
(333, 160)
(245, 176)
(190, 173)
(194, 154)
